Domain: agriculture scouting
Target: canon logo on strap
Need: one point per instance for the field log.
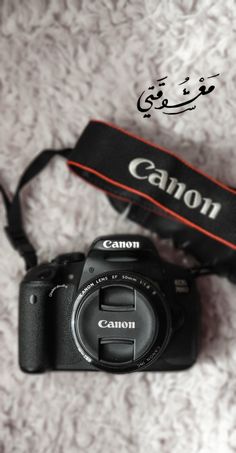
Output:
(141, 168)
(121, 244)
(103, 323)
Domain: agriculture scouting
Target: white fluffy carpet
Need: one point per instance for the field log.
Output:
(61, 63)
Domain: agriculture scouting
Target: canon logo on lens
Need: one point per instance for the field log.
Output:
(103, 323)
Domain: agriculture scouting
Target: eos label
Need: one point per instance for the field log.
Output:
(104, 324)
(121, 244)
(141, 168)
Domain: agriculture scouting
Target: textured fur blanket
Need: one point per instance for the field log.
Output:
(61, 63)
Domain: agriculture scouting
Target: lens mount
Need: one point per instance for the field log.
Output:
(120, 321)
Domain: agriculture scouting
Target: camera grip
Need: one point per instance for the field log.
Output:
(33, 344)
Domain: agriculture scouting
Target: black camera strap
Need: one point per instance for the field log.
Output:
(15, 230)
(148, 175)
(153, 181)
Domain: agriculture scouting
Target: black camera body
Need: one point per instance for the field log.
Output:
(119, 309)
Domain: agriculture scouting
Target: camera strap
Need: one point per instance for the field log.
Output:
(153, 181)
(15, 230)
(133, 169)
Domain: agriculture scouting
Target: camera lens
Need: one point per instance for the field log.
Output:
(120, 322)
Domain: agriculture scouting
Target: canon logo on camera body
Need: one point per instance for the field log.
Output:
(121, 244)
(103, 323)
(141, 168)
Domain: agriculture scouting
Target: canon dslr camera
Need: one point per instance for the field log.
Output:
(119, 309)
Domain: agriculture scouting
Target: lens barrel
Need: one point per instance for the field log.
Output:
(121, 322)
